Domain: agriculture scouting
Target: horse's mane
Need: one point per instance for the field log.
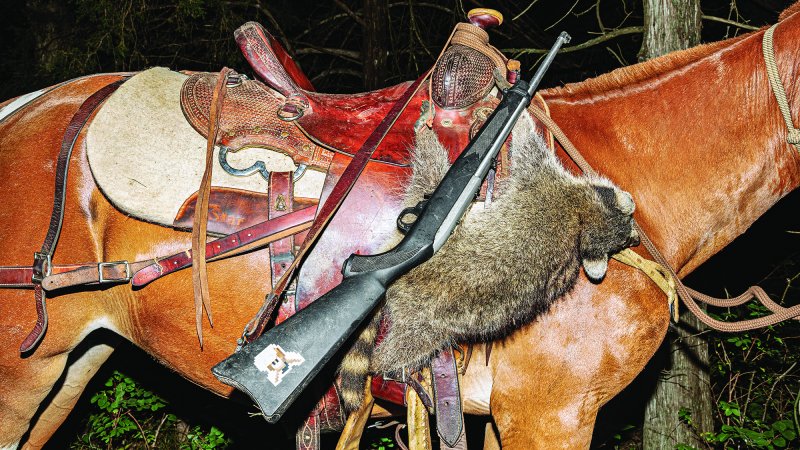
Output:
(643, 71)
(794, 8)
(649, 69)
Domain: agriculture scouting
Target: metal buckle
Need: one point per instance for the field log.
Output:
(42, 266)
(103, 279)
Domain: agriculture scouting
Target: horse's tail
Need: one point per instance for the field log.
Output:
(354, 369)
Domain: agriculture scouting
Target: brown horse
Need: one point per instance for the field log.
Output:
(695, 136)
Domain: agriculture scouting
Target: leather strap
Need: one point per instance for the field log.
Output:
(340, 190)
(244, 240)
(42, 261)
(281, 252)
(449, 416)
(199, 233)
(143, 272)
(308, 436)
(389, 390)
(20, 276)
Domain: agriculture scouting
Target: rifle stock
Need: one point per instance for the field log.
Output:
(275, 368)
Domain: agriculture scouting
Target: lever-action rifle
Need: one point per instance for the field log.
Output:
(275, 368)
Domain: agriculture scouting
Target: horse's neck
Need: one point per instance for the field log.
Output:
(700, 146)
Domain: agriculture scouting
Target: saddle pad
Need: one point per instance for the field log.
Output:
(148, 160)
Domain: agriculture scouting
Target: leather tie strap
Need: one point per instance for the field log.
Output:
(146, 271)
(281, 252)
(447, 394)
(246, 239)
(42, 260)
(199, 275)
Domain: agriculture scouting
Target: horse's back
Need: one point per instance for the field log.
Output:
(30, 140)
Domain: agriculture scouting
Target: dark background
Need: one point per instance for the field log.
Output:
(47, 41)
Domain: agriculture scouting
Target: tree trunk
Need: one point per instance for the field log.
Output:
(375, 14)
(671, 25)
(683, 384)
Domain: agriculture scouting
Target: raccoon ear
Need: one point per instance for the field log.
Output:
(595, 269)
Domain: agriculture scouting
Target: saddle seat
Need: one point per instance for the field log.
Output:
(342, 122)
(337, 123)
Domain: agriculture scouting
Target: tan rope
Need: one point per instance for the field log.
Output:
(793, 136)
(689, 296)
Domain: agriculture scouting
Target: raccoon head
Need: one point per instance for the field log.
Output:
(608, 228)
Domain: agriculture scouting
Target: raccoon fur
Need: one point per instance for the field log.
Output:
(501, 268)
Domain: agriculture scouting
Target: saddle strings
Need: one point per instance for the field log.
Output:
(202, 299)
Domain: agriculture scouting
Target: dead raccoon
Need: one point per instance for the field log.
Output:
(502, 267)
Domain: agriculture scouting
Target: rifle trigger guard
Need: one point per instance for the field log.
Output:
(405, 226)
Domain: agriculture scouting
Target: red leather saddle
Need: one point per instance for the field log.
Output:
(294, 119)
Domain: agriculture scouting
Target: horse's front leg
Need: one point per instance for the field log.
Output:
(82, 365)
(551, 377)
(39, 390)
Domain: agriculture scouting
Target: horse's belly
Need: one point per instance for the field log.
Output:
(476, 384)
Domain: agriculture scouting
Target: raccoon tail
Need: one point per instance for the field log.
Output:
(354, 369)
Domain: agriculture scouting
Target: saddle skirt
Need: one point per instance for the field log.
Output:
(148, 160)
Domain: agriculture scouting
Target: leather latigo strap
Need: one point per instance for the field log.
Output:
(340, 190)
(42, 260)
(281, 252)
(146, 271)
(449, 416)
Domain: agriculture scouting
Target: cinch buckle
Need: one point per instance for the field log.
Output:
(42, 265)
(103, 279)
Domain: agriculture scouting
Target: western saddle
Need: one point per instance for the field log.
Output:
(325, 132)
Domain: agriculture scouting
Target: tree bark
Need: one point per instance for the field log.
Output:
(671, 25)
(682, 384)
(375, 14)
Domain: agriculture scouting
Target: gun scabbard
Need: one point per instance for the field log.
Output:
(275, 368)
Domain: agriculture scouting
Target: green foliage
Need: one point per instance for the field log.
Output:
(755, 378)
(131, 417)
(382, 443)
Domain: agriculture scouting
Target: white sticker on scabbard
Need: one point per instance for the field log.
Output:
(277, 362)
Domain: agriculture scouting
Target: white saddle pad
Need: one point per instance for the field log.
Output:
(148, 160)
